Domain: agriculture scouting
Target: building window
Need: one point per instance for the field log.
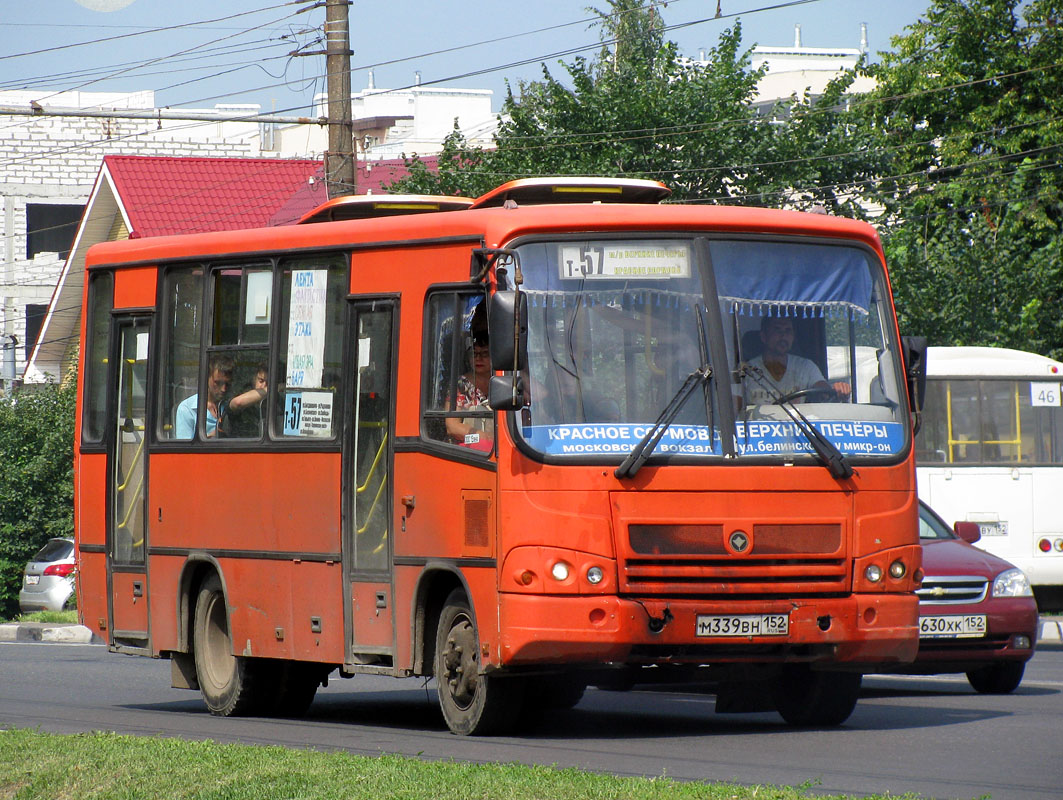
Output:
(34, 320)
(50, 228)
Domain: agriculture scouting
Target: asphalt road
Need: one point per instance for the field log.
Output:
(933, 736)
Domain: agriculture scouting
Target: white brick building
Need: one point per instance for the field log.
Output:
(48, 165)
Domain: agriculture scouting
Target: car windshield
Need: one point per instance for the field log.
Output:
(617, 325)
(931, 526)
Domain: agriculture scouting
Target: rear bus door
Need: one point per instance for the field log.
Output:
(367, 541)
(127, 468)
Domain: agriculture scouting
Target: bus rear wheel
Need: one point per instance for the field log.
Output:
(472, 703)
(230, 684)
(810, 698)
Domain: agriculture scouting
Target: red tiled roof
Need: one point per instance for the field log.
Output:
(165, 195)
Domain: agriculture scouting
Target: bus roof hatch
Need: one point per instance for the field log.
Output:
(364, 206)
(540, 191)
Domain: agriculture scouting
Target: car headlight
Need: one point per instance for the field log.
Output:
(1012, 583)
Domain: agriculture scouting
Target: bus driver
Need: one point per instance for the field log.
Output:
(778, 372)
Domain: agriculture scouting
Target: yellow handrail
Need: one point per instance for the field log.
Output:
(372, 507)
(132, 503)
(136, 460)
(376, 461)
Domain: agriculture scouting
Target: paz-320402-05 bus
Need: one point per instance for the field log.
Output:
(538, 440)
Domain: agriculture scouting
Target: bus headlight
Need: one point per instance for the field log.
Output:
(898, 570)
(560, 571)
(873, 573)
(595, 575)
(1012, 583)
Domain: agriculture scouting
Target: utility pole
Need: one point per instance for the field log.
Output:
(340, 157)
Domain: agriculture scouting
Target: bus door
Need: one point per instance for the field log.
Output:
(127, 468)
(367, 545)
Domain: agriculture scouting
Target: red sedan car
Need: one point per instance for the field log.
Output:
(977, 613)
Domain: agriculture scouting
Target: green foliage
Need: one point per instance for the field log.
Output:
(639, 110)
(969, 108)
(36, 479)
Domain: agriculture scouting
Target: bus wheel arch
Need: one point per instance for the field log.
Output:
(231, 685)
(434, 586)
(195, 571)
(472, 701)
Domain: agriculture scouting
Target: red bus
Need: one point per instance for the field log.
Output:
(521, 444)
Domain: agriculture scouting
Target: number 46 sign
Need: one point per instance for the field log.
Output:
(1044, 394)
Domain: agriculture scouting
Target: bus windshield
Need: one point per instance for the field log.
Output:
(617, 325)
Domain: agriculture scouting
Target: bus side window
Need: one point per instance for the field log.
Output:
(309, 361)
(243, 305)
(456, 323)
(179, 373)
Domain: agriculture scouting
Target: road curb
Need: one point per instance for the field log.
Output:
(46, 632)
(1051, 629)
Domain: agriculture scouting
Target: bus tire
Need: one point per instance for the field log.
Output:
(297, 683)
(810, 698)
(229, 684)
(553, 692)
(1002, 678)
(472, 703)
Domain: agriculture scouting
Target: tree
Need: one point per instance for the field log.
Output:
(36, 479)
(638, 110)
(969, 112)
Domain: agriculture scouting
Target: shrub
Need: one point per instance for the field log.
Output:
(36, 479)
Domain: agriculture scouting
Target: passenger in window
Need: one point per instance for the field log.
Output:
(477, 433)
(779, 373)
(219, 379)
(243, 416)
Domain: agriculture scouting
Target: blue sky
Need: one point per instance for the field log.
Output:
(196, 53)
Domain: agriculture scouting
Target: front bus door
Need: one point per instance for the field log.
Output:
(367, 542)
(127, 466)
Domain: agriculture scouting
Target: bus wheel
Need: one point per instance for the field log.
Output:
(806, 697)
(297, 684)
(228, 683)
(553, 692)
(472, 703)
(1002, 678)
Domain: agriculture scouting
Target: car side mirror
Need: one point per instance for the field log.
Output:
(968, 531)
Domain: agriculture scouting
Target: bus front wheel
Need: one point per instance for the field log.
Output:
(229, 683)
(808, 697)
(472, 703)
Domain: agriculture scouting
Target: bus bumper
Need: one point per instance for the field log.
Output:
(871, 629)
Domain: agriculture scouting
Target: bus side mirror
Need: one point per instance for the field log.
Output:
(506, 392)
(914, 349)
(968, 531)
(507, 321)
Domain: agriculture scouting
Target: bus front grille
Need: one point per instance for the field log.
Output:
(735, 576)
(708, 560)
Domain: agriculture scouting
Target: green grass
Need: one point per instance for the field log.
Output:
(42, 766)
(48, 616)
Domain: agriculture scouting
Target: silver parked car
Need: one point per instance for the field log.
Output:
(48, 581)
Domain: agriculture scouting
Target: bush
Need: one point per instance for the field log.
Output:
(36, 479)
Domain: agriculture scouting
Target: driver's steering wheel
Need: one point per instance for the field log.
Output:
(828, 395)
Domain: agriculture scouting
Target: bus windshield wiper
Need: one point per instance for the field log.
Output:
(630, 466)
(825, 449)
